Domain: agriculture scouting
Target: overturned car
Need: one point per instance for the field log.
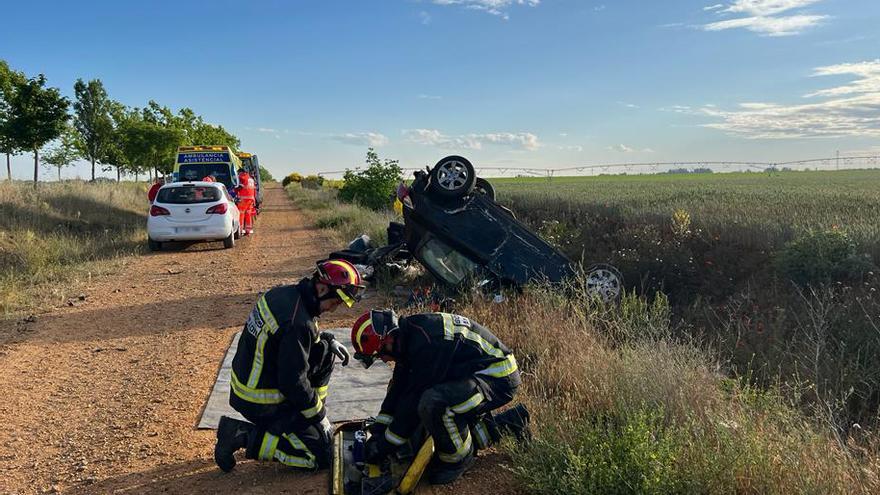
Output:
(454, 227)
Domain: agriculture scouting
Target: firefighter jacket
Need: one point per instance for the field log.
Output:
(247, 190)
(433, 348)
(277, 354)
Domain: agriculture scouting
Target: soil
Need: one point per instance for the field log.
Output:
(103, 396)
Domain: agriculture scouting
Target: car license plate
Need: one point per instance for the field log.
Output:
(183, 230)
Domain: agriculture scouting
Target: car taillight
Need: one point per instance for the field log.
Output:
(403, 195)
(217, 209)
(158, 211)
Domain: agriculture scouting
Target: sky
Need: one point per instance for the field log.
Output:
(309, 85)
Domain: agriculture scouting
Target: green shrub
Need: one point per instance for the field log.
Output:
(821, 257)
(265, 175)
(312, 182)
(373, 186)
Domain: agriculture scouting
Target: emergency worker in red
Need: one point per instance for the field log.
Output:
(246, 197)
(449, 374)
(154, 190)
(281, 370)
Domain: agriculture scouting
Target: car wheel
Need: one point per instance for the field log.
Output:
(485, 187)
(605, 282)
(229, 242)
(238, 232)
(453, 177)
(154, 245)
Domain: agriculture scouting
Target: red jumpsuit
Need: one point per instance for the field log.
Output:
(247, 196)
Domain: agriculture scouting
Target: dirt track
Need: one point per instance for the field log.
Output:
(103, 397)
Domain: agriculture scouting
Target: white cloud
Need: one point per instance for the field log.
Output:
(433, 137)
(267, 130)
(762, 16)
(850, 109)
(429, 97)
(425, 17)
(628, 105)
(577, 148)
(494, 7)
(373, 139)
(622, 148)
(599, 8)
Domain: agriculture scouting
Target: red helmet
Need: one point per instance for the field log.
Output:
(342, 278)
(369, 331)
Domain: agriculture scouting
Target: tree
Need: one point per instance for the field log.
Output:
(265, 175)
(9, 81)
(144, 144)
(371, 187)
(92, 120)
(38, 115)
(66, 151)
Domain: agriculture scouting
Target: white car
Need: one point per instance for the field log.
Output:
(193, 211)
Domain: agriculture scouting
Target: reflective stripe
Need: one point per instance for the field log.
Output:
(255, 395)
(469, 404)
(314, 410)
(322, 392)
(384, 419)
(267, 315)
(267, 449)
(360, 331)
(450, 329)
(393, 438)
(501, 368)
(307, 462)
(482, 435)
(270, 326)
(347, 300)
(448, 326)
(462, 446)
(257, 365)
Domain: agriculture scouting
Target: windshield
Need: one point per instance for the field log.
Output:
(188, 195)
(198, 171)
(449, 264)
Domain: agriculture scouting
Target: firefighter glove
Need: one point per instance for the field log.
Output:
(326, 429)
(336, 347)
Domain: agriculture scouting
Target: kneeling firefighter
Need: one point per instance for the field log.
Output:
(449, 374)
(281, 370)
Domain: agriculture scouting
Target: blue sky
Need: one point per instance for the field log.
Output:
(308, 85)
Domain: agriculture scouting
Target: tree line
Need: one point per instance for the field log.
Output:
(94, 127)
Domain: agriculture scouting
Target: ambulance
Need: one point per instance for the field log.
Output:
(194, 163)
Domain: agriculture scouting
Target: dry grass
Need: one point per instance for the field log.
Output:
(649, 414)
(342, 220)
(56, 237)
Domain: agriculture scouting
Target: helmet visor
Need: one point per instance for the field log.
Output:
(348, 300)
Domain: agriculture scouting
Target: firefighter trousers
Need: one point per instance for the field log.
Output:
(450, 410)
(246, 214)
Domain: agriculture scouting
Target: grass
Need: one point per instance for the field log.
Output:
(644, 397)
(55, 237)
(342, 220)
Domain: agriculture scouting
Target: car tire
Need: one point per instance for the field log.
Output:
(453, 177)
(229, 242)
(237, 232)
(154, 245)
(605, 281)
(485, 187)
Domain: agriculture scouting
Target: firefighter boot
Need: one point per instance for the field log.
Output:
(232, 435)
(443, 473)
(514, 421)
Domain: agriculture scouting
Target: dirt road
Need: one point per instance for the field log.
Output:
(104, 396)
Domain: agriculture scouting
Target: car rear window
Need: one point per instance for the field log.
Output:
(188, 194)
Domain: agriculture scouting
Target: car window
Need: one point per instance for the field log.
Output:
(188, 195)
(449, 264)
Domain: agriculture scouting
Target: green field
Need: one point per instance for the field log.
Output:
(768, 209)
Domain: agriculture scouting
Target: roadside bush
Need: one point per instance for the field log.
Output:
(291, 178)
(312, 182)
(265, 175)
(821, 257)
(373, 186)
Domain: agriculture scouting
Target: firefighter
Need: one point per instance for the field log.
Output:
(449, 374)
(281, 370)
(246, 196)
